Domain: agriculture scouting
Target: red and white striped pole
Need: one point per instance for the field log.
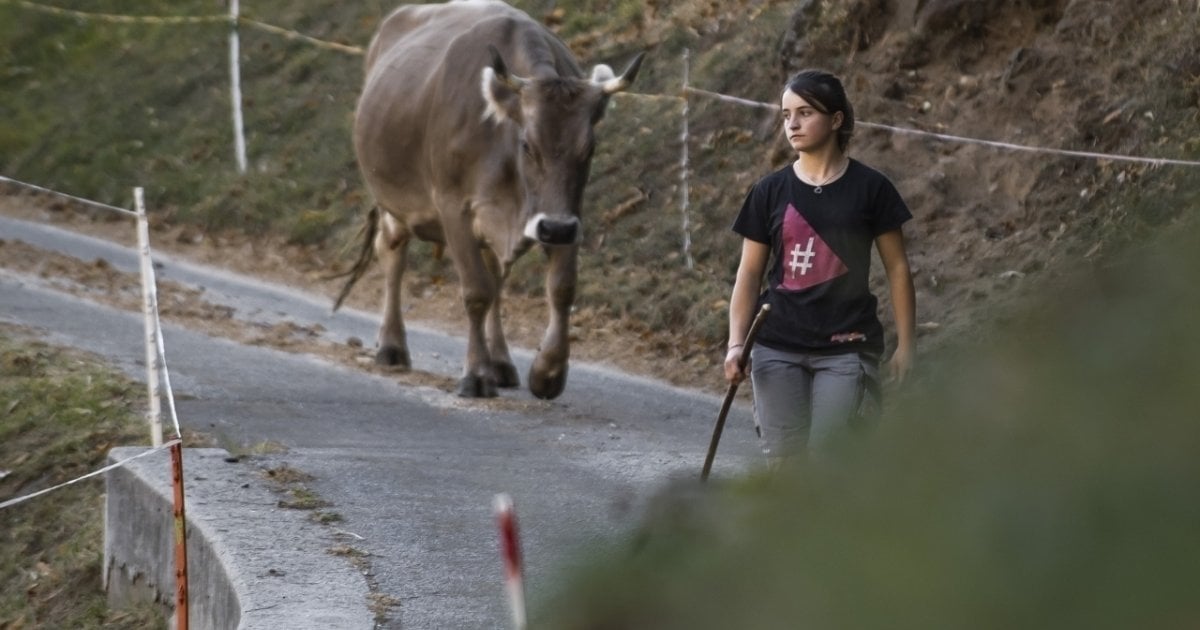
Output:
(510, 548)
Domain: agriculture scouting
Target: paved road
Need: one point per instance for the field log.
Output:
(412, 470)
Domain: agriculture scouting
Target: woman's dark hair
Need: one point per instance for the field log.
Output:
(825, 93)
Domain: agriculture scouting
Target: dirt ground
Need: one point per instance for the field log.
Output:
(431, 304)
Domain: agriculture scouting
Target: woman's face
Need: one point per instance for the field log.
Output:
(805, 127)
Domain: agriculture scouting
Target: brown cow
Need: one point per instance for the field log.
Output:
(458, 150)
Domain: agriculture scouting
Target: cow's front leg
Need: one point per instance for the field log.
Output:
(502, 363)
(548, 374)
(478, 294)
(478, 379)
(391, 246)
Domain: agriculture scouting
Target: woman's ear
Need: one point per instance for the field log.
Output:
(838, 119)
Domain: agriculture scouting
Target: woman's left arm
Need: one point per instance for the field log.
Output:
(904, 302)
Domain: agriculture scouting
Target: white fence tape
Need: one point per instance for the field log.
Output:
(22, 499)
(114, 18)
(235, 20)
(1033, 149)
(156, 357)
(967, 140)
(86, 202)
(232, 18)
(298, 36)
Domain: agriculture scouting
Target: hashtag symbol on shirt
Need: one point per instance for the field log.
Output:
(801, 258)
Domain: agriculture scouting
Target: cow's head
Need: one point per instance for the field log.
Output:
(555, 118)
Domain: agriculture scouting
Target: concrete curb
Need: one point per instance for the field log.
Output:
(251, 564)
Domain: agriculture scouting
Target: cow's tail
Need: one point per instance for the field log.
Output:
(366, 254)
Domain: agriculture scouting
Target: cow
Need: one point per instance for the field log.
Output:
(475, 131)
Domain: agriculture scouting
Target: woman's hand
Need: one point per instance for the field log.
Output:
(900, 364)
(741, 305)
(904, 301)
(732, 373)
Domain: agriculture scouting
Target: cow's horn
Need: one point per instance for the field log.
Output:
(612, 86)
(498, 62)
(501, 70)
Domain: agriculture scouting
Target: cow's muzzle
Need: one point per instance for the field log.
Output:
(553, 231)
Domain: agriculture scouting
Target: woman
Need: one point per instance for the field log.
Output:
(807, 231)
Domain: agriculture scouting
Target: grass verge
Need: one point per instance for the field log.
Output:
(60, 413)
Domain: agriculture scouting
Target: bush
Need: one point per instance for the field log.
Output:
(1044, 480)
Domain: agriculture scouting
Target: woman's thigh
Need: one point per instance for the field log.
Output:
(839, 384)
(782, 399)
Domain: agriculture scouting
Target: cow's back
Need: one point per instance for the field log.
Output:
(428, 29)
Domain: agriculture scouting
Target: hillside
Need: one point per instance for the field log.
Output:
(95, 108)
(1043, 480)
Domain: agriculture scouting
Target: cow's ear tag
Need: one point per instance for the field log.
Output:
(501, 91)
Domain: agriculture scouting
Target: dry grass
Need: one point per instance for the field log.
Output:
(61, 413)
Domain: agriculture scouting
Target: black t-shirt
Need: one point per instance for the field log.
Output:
(817, 276)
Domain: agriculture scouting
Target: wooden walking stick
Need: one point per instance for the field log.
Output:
(745, 356)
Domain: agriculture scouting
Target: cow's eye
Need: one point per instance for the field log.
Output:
(526, 148)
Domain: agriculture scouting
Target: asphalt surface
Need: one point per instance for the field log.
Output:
(412, 470)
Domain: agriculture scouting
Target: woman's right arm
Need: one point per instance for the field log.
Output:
(746, 287)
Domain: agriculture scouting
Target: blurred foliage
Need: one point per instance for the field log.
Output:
(1044, 479)
(60, 413)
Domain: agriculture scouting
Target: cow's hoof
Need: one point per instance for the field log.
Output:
(548, 386)
(474, 386)
(393, 356)
(506, 375)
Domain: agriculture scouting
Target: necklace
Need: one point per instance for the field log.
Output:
(818, 188)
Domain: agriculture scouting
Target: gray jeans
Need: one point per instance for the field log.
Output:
(806, 401)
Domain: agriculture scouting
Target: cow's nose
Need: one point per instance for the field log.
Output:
(557, 231)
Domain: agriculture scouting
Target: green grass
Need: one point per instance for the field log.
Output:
(60, 413)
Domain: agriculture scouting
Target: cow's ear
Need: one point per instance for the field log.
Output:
(602, 73)
(501, 91)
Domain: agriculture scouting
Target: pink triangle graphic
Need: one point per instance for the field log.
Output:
(806, 259)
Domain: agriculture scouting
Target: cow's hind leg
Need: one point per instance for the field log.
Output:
(391, 246)
(502, 363)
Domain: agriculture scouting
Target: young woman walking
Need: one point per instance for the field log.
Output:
(807, 233)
